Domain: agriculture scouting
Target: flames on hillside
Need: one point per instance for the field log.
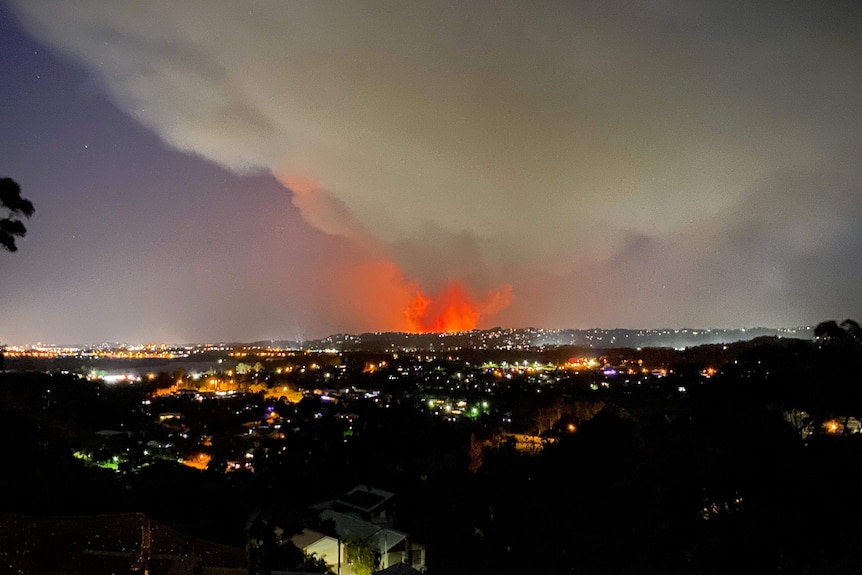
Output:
(452, 309)
(373, 287)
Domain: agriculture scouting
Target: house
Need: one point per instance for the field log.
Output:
(390, 546)
(375, 505)
(322, 546)
(109, 544)
(364, 515)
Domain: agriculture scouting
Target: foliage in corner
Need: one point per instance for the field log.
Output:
(16, 207)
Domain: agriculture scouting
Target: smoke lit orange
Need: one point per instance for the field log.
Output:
(373, 287)
(452, 309)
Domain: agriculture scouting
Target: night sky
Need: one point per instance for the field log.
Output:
(235, 171)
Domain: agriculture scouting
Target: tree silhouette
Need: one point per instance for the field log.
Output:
(16, 206)
(830, 332)
(853, 328)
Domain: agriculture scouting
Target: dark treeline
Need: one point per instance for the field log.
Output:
(754, 469)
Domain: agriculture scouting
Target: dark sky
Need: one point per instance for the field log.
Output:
(210, 171)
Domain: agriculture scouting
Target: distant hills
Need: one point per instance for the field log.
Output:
(532, 338)
(493, 338)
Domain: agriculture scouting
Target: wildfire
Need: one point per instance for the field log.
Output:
(452, 309)
(372, 287)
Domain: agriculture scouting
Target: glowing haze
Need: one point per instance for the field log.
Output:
(467, 164)
(381, 284)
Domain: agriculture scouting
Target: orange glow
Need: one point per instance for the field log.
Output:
(452, 309)
(378, 294)
(374, 293)
(198, 460)
(372, 289)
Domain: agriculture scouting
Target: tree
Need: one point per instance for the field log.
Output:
(361, 557)
(15, 207)
(853, 328)
(847, 333)
(475, 450)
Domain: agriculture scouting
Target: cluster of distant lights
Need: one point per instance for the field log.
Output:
(123, 351)
(97, 352)
(522, 337)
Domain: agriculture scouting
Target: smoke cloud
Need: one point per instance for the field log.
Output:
(611, 163)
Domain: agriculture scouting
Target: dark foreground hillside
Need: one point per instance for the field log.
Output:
(752, 467)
